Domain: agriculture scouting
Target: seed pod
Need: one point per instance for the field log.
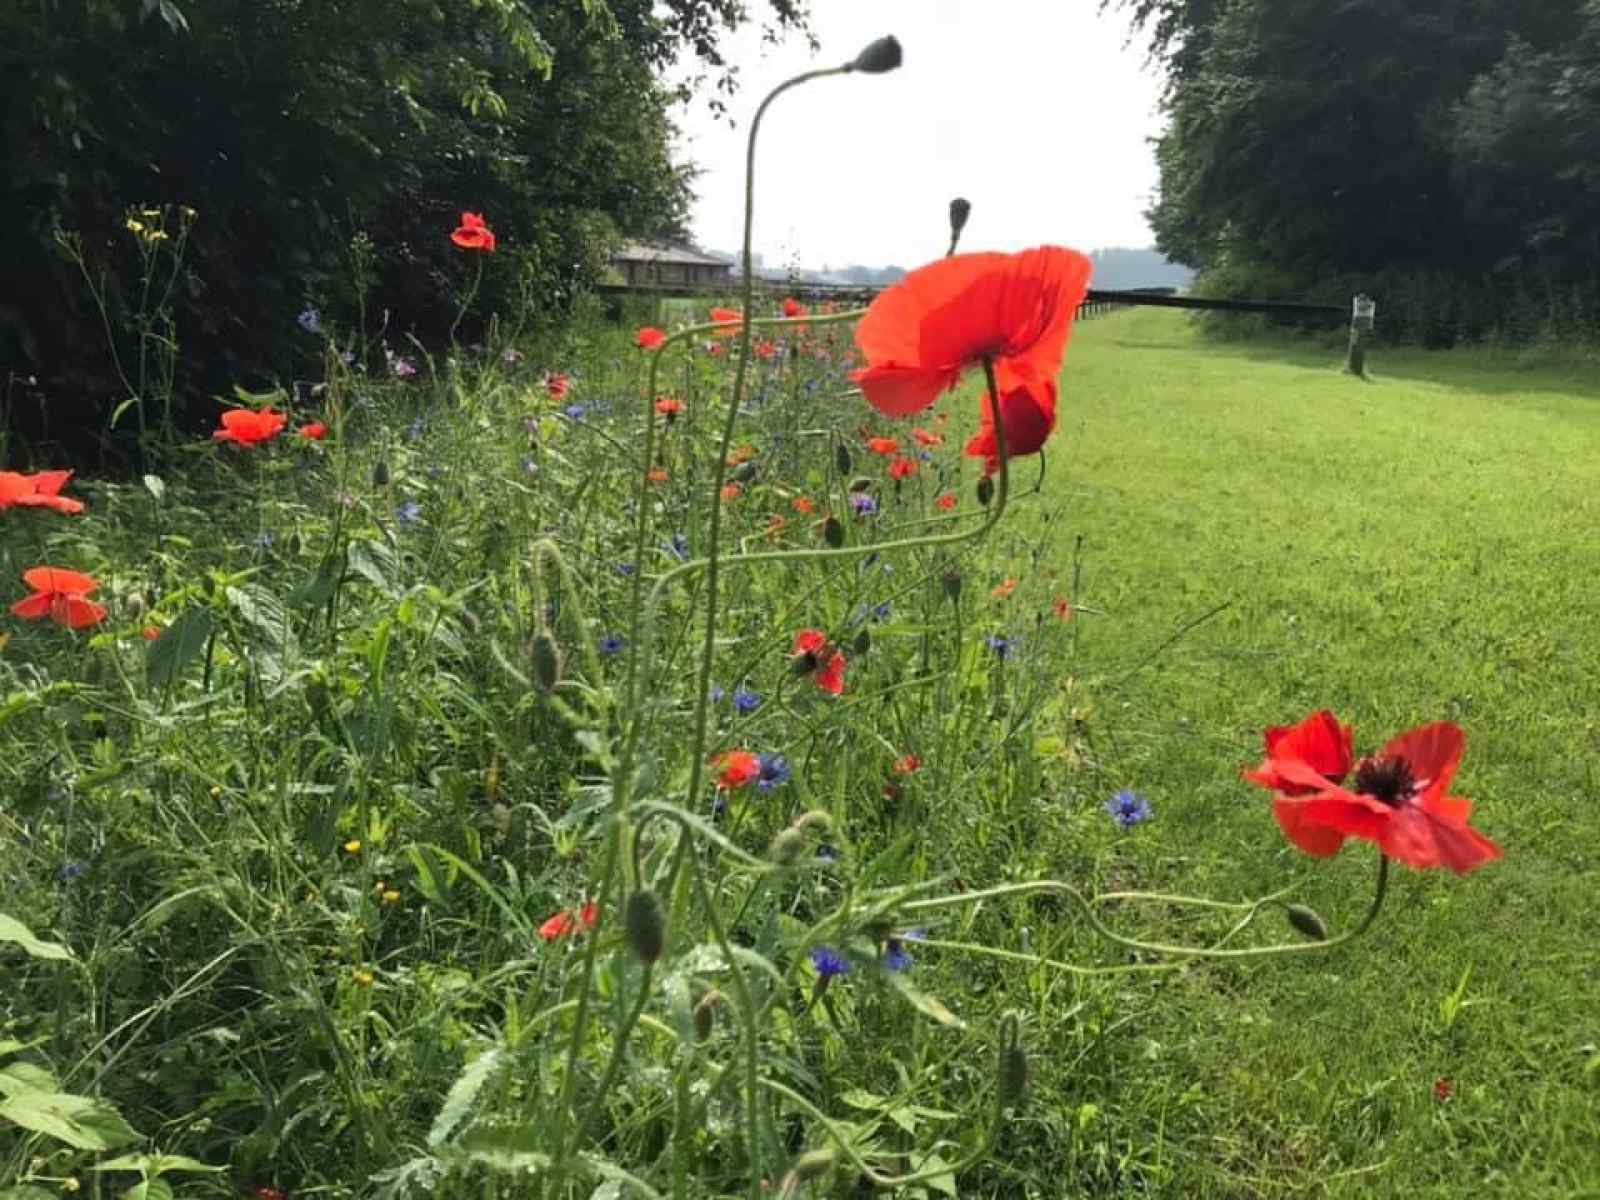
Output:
(705, 1014)
(960, 210)
(380, 473)
(744, 472)
(546, 661)
(863, 642)
(841, 458)
(645, 925)
(833, 532)
(135, 605)
(1013, 1073)
(787, 847)
(1307, 921)
(985, 490)
(880, 56)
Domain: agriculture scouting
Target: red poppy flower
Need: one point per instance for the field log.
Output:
(649, 338)
(825, 664)
(765, 349)
(40, 490)
(656, 475)
(736, 768)
(150, 633)
(558, 385)
(793, 308)
(62, 596)
(1029, 410)
(1063, 609)
(716, 349)
(741, 453)
(947, 501)
(927, 440)
(1398, 798)
(1443, 1089)
(776, 524)
(731, 491)
(569, 920)
(473, 234)
(1004, 588)
(248, 427)
(884, 445)
(902, 468)
(804, 506)
(313, 431)
(922, 333)
(731, 318)
(907, 764)
(669, 407)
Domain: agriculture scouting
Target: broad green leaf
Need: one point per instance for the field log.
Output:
(462, 1093)
(154, 1164)
(179, 645)
(82, 1122)
(925, 1003)
(26, 1077)
(18, 934)
(375, 562)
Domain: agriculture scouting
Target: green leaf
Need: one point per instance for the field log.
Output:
(18, 934)
(81, 1122)
(924, 1003)
(155, 486)
(462, 1093)
(26, 1077)
(154, 1164)
(179, 645)
(375, 562)
(26, 1191)
(149, 1189)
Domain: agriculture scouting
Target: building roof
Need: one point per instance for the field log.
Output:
(650, 252)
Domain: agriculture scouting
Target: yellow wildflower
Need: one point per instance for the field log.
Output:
(353, 846)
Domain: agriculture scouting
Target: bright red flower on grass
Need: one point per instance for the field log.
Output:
(947, 501)
(570, 920)
(558, 385)
(249, 427)
(731, 318)
(731, 491)
(669, 407)
(804, 505)
(902, 468)
(735, 768)
(649, 338)
(907, 764)
(656, 475)
(922, 333)
(793, 308)
(473, 234)
(1443, 1089)
(765, 349)
(312, 431)
(39, 490)
(925, 439)
(61, 595)
(1398, 798)
(814, 656)
(150, 633)
(1003, 589)
(1063, 608)
(884, 445)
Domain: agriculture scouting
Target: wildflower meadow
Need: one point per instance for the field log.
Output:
(678, 759)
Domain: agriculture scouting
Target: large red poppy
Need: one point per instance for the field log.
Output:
(39, 490)
(1398, 798)
(920, 335)
(61, 595)
(247, 427)
(473, 234)
(816, 657)
(1029, 411)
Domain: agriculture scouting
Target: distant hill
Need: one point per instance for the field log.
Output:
(1118, 268)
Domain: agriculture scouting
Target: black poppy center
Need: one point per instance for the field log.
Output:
(1386, 779)
(806, 662)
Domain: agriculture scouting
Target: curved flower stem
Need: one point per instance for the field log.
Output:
(472, 295)
(1086, 907)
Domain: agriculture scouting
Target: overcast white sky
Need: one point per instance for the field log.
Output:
(1037, 111)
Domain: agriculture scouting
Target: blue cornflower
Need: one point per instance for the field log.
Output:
(896, 957)
(717, 693)
(310, 320)
(863, 504)
(71, 871)
(626, 570)
(1128, 808)
(915, 935)
(774, 771)
(575, 412)
(881, 612)
(1002, 646)
(612, 643)
(409, 513)
(746, 701)
(678, 547)
(829, 962)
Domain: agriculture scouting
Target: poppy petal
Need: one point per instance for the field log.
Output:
(59, 579)
(899, 391)
(1432, 752)
(49, 483)
(75, 612)
(34, 607)
(1308, 835)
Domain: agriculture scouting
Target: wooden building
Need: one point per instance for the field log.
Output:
(646, 263)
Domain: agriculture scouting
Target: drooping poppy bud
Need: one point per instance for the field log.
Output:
(880, 56)
(705, 1014)
(1307, 921)
(380, 473)
(863, 642)
(645, 925)
(1012, 1072)
(985, 490)
(960, 210)
(546, 661)
(841, 459)
(833, 532)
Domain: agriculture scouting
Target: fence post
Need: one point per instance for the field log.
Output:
(1363, 314)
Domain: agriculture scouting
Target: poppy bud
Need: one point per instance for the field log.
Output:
(985, 490)
(833, 532)
(135, 606)
(380, 473)
(960, 210)
(882, 55)
(546, 661)
(813, 1164)
(861, 483)
(841, 458)
(705, 1014)
(645, 925)
(744, 472)
(787, 847)
(863, 642)
(1307, 921)
(1012, 1072)
(952, 584)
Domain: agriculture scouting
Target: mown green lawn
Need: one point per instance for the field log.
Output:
(1416, 547)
